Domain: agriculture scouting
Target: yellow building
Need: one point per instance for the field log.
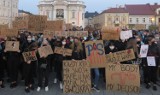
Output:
(112, 17)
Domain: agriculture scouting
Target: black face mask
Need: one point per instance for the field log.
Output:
(138, 42)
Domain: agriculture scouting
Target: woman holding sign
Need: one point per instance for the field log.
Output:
(150, 63)
(29, 66)
(43, 68)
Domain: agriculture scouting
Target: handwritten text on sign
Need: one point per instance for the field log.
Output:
(76, 75)
(29, 56)
(120, 56)
(63, 51)
(95, 53)
(45, 51)
(123, 78)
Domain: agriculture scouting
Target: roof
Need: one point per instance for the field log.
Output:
(115, 10)
(91, 14)
(154, 7)
(143, 9)
(22, 11)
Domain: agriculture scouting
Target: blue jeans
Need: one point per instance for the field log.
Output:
(95, 80)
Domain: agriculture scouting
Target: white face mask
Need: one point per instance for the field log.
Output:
(29, 39)
(63, 42)
(71, 40)
(33, 38)
(111, 47)
(85, 38)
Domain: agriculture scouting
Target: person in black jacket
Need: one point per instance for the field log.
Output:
(150, 72)
(28, 67)
(2, 63)
(58, 65)
(13, 61)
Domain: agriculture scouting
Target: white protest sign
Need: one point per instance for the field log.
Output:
(126, 34)
(151, 61)
(144, 51)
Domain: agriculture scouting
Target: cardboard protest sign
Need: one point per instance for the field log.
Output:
(120, 56)
(29, 56)
(76, 76)
(68, 26)
(20, 24)
(48, 33)
(63, 51)
(110, 29)
(71, 34)
(151, 61)
(95, 53)
(110, 33)
(45, 51)
(123, 77)
(126, 34)
(56, 25)
(37, 23)
(9, 32)
(110, 36)
(4, 26)
(144, 51)
(12, 46)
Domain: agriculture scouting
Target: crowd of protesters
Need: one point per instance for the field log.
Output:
(13, 66)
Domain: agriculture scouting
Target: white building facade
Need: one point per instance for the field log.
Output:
(71, 11)
(145, 20)
(8, 11)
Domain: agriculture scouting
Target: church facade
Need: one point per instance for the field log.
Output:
(71, 11)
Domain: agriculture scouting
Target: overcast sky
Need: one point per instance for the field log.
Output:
(92, 5)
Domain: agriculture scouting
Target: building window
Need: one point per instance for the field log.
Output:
(73, 22)
(73, 14)
(60, 13)
(137, 20)
(144, 20)
(150, 20)
(82, 16)
(130, 20)
(109, 18)
(117, 19)
(47, 13)
(123, 19)
(4, 2)
(159, 12)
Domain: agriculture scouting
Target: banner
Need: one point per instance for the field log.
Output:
(126, 34)
(95, 53)
(123, 77)
(12, 46)
(44, 51)
(76, 77)
(63, 51)
(144, 51)
(120, 56)
(71, 34)
(29, 56)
